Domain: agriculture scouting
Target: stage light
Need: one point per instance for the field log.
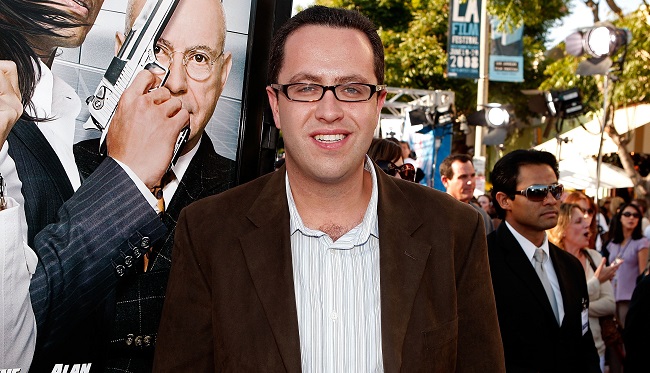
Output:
(562, 104)
(492, 115)
(497, 117)
(598, 41)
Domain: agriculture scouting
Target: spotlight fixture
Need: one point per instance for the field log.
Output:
(598, 41)
(492, 115)
(562, 104)
(497, 118)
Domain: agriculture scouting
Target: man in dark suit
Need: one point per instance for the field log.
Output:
(322, 265)
(540, 290)
(126, 325)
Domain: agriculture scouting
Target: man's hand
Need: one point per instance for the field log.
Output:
(11, 107)
(145, 127)
(604, 273)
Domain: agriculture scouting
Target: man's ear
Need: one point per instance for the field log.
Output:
(273, 102)
(503, 200)
(119, 40)
(444, 180)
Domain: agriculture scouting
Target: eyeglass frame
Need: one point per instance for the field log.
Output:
(391, 166)
(185, 59)
(548, 187)
(628, 214)
(284, 88)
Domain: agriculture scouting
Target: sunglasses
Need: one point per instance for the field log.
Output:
(627, 214)
(538, 192)
(406, 171)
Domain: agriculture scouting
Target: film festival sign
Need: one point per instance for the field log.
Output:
(464, 39)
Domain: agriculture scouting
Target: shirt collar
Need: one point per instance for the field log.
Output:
(183, 162)
(369, 225)
(42, 97)
(528, 247)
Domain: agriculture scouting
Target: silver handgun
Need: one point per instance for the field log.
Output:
(137, 53)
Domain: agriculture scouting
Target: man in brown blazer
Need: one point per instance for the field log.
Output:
(329, 264)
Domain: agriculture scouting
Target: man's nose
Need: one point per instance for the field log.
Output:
(177, 79)
(329, 108)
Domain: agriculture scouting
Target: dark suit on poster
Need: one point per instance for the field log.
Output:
(231, 287)
(81, 256)
(123, 340)
(532, 339)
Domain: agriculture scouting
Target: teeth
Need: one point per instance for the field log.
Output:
(329, 138)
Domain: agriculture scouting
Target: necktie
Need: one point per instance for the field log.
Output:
(540, 256)
(158, 193)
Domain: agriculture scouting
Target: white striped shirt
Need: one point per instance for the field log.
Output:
(337, 292)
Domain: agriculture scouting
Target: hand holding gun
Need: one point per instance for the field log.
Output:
(137, 54)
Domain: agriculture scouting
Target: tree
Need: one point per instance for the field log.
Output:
(415, 38)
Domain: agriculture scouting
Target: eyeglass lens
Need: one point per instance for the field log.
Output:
(627, 214)
(538, 193)
(350, 92)
(407, 172)
(198, 63)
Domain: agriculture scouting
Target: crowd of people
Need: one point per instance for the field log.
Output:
(116, 262)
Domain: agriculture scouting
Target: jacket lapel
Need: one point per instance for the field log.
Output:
(520, 265)
(34, 141)
(207, 174)
(402, 263)
(268, 254)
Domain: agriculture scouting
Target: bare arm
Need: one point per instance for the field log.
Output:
(642, 255)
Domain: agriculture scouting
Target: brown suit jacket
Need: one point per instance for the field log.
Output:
(230, 303)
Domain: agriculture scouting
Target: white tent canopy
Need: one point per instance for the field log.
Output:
(581, 142)
(580, 173)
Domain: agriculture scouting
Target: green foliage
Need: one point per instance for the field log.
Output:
(415, 38)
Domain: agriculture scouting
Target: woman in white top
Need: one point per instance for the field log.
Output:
(572, 235)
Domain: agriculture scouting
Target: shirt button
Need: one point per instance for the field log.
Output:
(334, 315)
(145, 242)
(120, 270)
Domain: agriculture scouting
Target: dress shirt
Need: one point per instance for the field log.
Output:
(168, 190)
(54, 99)
(529, 249)
(338, 292)
(17, 264)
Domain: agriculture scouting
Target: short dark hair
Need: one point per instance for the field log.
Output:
(506, 171)
(384, 150)
(331, 17)
(20, 22)
(445, 166)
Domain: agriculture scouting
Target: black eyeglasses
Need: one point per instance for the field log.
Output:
(627, 214)
(538, 192)
(310, 92)
(406, 171)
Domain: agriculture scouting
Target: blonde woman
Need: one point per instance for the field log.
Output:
(572, 234)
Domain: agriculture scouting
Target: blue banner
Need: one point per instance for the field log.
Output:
(506, 54)
(464, 39)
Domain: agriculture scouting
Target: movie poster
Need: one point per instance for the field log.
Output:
(463, 47)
